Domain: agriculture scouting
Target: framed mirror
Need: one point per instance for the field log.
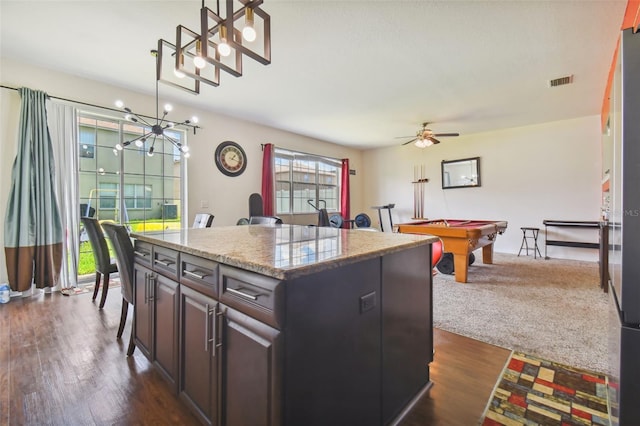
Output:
(462, 173)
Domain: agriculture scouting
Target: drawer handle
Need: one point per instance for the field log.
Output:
(193, 274)
(164, 262)
(240, 293)
(141, 253)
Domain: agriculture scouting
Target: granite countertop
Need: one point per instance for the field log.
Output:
(283, 251)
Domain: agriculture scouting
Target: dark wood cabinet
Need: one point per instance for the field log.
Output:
(156, 320)
(346, 343)
(251, 388)
(198, 384)
(165, 327)
(143, 307)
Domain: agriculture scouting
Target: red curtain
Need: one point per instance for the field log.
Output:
(267, 180)
(344, 196)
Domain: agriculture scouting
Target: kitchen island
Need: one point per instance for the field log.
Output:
(287, 325)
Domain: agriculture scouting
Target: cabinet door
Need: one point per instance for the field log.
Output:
(198, 357)
(166, 303)
(143, 301)
(252, 368)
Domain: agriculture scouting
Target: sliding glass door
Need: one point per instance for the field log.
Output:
(142, 191)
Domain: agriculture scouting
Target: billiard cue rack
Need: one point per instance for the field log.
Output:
(419, 181)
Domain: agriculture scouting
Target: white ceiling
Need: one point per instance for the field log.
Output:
(353, 72)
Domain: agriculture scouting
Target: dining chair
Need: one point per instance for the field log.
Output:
(203, 220)
(265, 220)
(103, 262)
(123, 247)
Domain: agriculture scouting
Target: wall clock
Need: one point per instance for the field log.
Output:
(231, 158)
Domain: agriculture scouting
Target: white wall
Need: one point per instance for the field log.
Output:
(532, 173)
(227, 197)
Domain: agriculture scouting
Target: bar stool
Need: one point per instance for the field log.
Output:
(533, 235)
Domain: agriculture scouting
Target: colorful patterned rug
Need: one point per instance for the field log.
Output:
(532, 391)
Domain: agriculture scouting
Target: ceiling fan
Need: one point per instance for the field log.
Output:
(425, 137)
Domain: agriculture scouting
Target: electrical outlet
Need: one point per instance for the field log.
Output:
(367, 302)
(204, 204)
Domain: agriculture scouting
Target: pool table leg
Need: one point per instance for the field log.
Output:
(461, 266)
(487, 254)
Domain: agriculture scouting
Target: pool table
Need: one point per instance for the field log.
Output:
(461, 238)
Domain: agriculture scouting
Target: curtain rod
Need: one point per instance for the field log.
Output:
(97, 106)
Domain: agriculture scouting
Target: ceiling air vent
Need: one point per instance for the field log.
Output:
(561, 81)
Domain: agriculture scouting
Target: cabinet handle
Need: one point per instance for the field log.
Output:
(215, 333)
(206, 328)
(240, 293)
(220, 313)
(193, 274)
(164, 262)
(141, 253)
(152, 287)
(146, 288)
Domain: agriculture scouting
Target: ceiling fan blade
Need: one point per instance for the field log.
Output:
(412, 140)
(446, 134)
(434, 140)
(403, 137)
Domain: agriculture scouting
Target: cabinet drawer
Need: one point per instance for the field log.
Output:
(199, 274)
(165, 262)
(142, 252)
(256, 295)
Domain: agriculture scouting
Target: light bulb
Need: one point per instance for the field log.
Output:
(150, 153)
(223, 48)
(184, 148)
(127, 117)
(420, 143)
(119, 147)
(115, 152)
(139, 143)
(248, 33)
(168, 107)
(186, 155)
(119, 103)
(178, 73)
(171, 125)
(199, 62)
(194, 119)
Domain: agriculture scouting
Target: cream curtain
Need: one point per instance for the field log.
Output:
(63, 127)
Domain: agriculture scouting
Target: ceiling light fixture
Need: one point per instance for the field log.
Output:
(156, 130)
(220, 44)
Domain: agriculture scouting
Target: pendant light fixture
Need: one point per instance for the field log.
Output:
(158, 129)
(221, 43)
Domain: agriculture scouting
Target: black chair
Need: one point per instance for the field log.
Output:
(87, 211)
(203, 220)
(265, 220)
(103, 262)
(256, 207)
(123, 247)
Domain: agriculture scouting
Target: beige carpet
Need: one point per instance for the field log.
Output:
(553, 308)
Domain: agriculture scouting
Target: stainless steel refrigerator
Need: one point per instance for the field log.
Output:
(624, 236)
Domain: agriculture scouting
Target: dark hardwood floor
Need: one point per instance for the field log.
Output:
(60, 364)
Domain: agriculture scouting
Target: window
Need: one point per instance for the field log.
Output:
(137, 196)
(305, 182)
(107, 195)
(87, 142)
(145, 192)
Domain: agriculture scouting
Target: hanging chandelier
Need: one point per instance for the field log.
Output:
(220, 43)
(157, 130)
